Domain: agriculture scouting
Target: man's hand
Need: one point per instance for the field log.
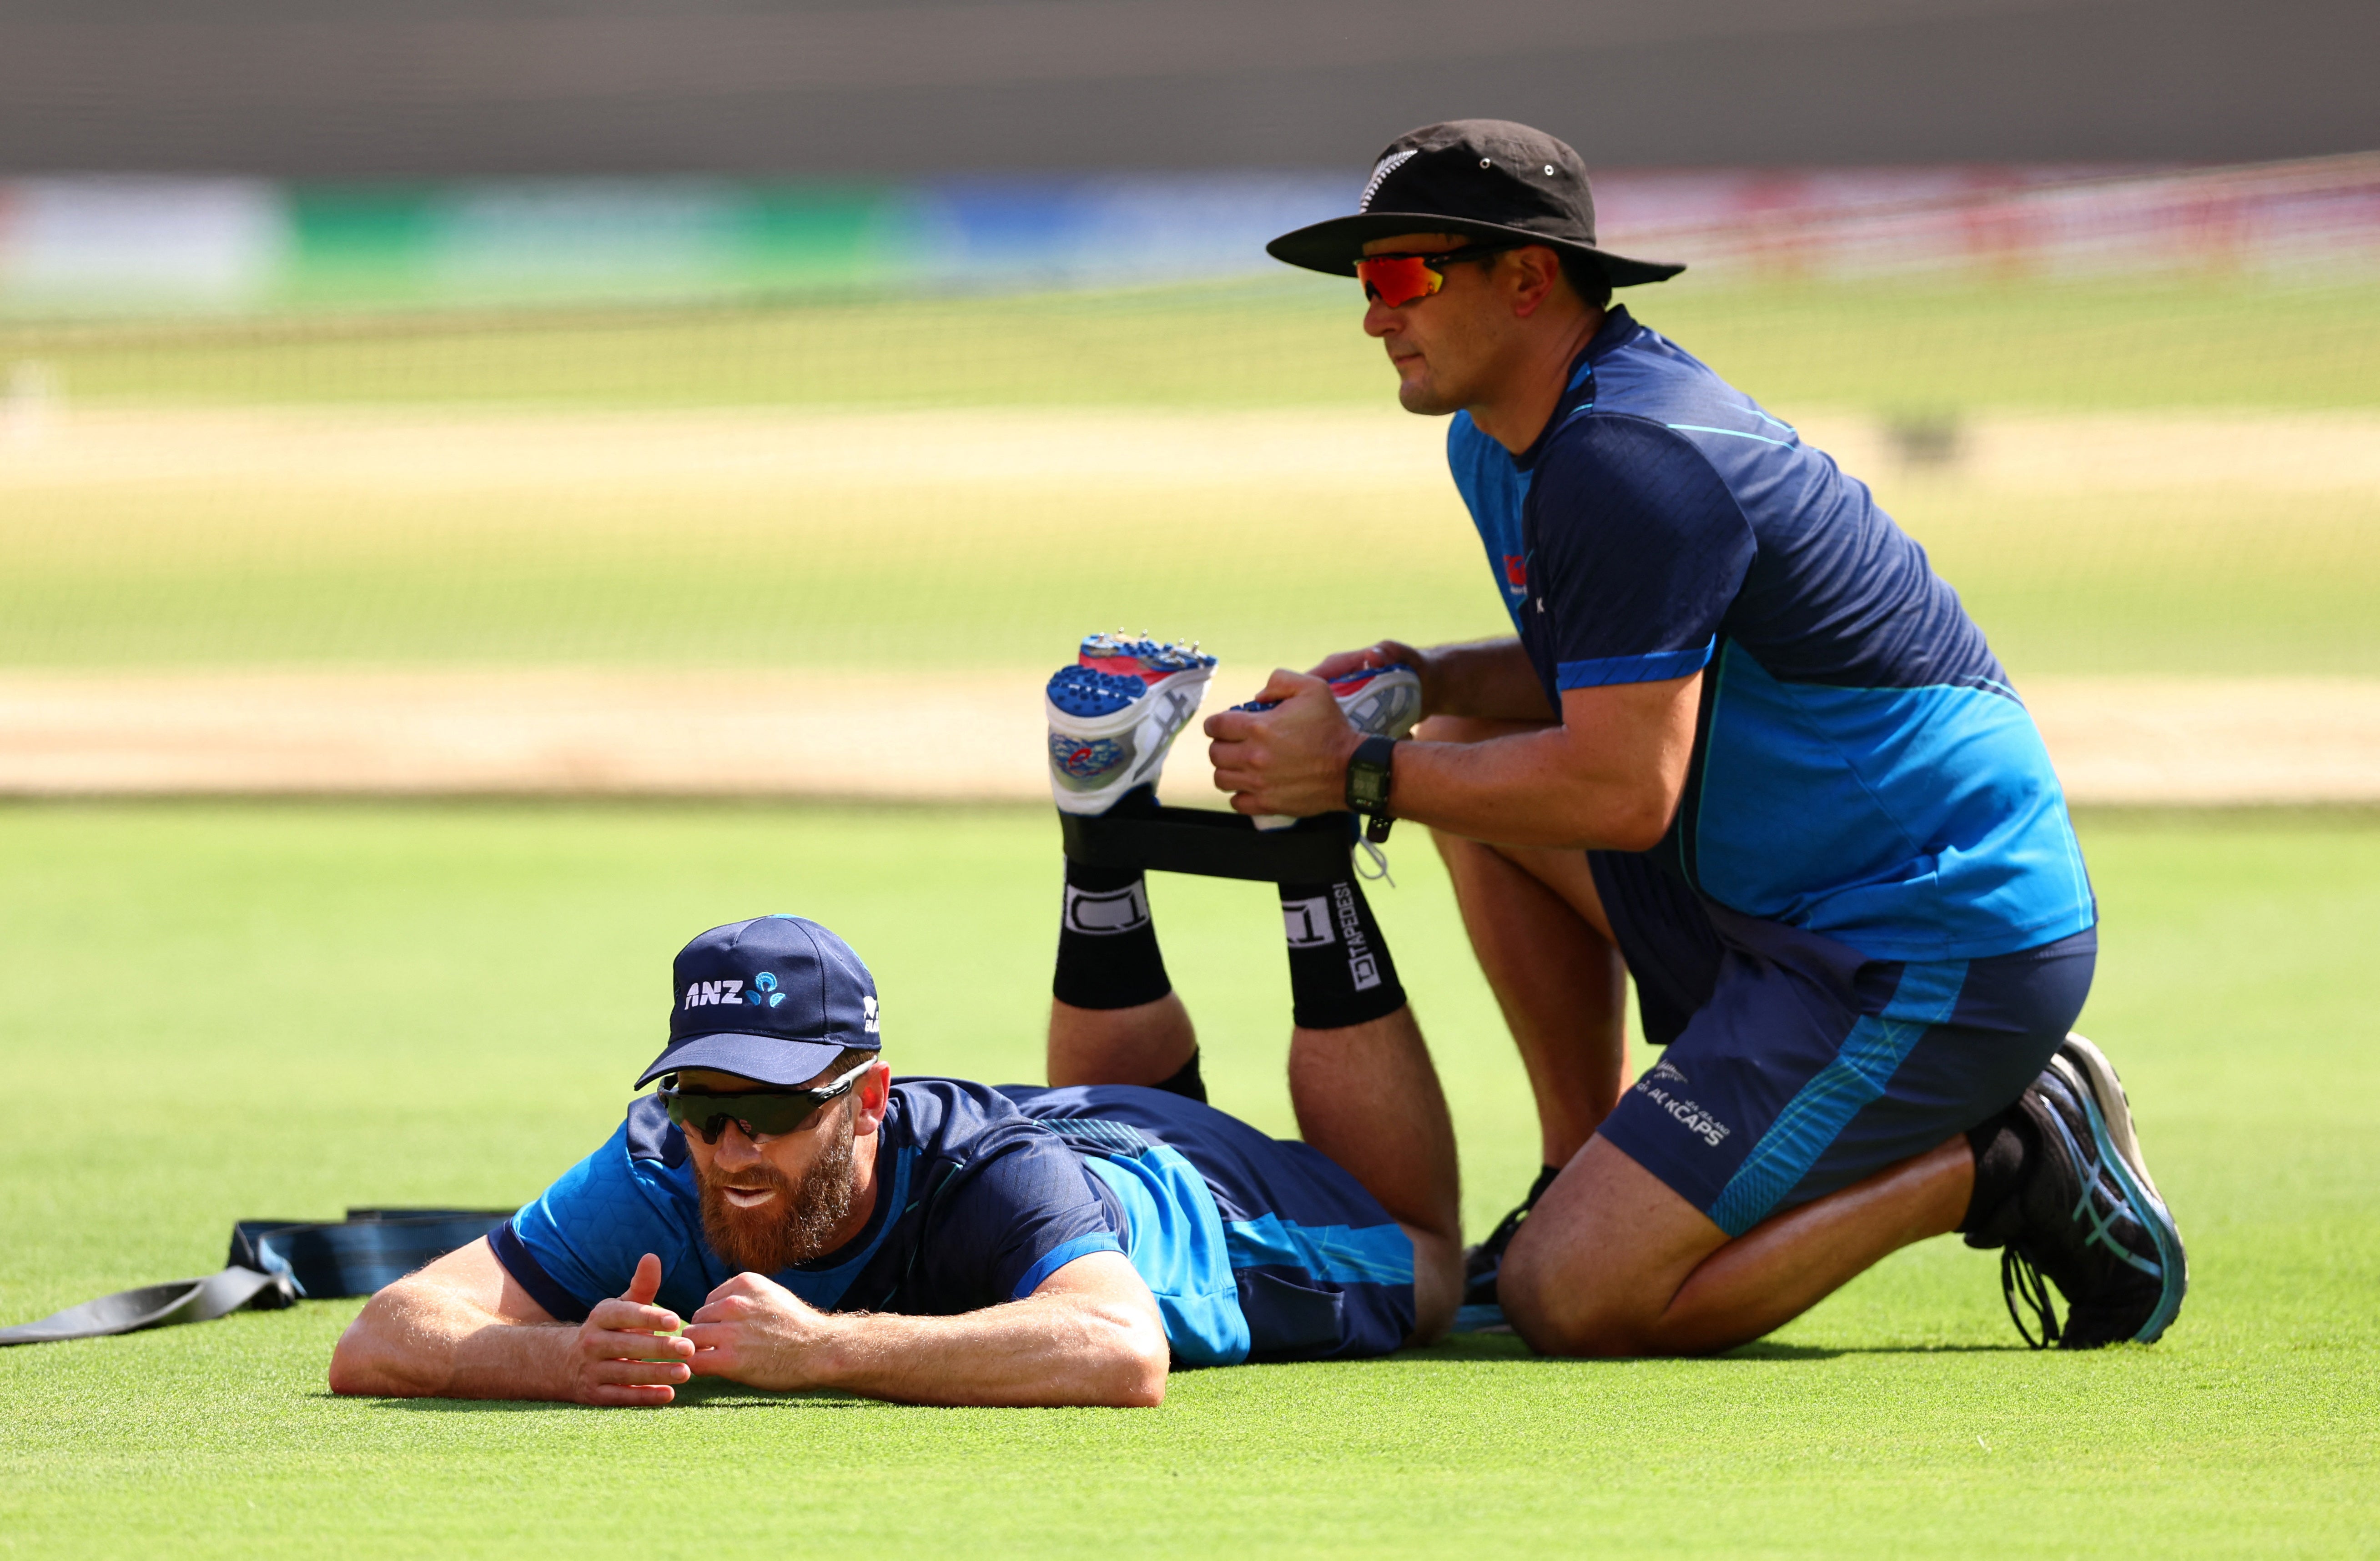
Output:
(755, 1331)
(626, 1351)
(1291, 759)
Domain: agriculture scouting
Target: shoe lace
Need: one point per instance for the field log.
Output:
(1501, 1237)
(1380, 858)
(2020, 1280)
(1506, 1228)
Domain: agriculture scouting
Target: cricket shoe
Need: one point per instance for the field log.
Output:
(2087, 1215)
(1114, 713)
(1377, 701)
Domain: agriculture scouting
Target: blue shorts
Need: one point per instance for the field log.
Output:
(1797, 1065)
(1317, 1269)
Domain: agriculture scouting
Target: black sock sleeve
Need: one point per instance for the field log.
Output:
(1187, 1082)
(1339, 972)
(1107, 944)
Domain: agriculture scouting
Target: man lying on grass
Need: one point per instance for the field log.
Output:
(811, 1223)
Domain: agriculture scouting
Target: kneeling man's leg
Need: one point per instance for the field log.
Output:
(1810, 1119)
(1541, 938)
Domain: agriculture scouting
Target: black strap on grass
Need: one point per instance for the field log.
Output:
(277, 1263)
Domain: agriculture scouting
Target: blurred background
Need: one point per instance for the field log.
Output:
(706, 397)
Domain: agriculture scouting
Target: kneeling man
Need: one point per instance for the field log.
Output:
(809, 1222)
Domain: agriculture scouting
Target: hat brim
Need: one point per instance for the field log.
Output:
(764, 1059)
(1334, 246)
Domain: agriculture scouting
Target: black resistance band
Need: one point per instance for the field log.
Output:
(277, 1263)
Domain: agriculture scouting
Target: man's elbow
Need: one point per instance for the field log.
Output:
(1623, 820)
(1637, 826)
(1139, 1360)
(366, 1361)
(353, 1371)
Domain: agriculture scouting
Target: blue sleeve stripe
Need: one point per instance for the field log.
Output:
(1062, 1254)
(530, 1275)
(1732, 433)
(1608, 670)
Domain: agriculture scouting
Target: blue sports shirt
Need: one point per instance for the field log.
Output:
(1861, 767)
(1253, 1248)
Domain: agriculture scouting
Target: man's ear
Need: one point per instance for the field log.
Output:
(1534, 273)
(871, 1099)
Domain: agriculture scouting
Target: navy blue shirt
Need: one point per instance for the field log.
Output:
(1861, 768)
(975, 1205)
(1253, 1248)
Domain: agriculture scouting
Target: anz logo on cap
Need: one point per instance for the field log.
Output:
(711, 994)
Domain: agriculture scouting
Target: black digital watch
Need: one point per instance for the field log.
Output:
(1368, 780)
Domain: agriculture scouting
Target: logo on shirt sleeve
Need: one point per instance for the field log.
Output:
(1516, 574)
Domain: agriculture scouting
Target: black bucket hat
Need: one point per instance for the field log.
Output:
(1483, 178)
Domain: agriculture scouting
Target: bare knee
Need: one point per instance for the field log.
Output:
(1556, 1315)
(1598, 1267)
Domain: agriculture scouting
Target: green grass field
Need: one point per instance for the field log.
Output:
(226, 1011)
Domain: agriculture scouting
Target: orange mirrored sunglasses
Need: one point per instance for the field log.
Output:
(1398, 280)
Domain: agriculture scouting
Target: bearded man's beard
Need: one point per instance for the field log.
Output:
(797, 1225)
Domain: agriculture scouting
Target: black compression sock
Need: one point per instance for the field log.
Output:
(1187, 1082)
(1107, 945)
(2003, 1145)
(1339, 972)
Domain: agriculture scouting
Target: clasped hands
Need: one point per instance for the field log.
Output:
(1293, 759)
(750, 1330)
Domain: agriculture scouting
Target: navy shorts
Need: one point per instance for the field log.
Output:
(1318, 1269)
(1797, 1065)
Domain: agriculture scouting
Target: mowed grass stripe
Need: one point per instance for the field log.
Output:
(261, 568)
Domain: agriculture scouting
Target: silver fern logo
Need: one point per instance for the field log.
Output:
(1387, 165)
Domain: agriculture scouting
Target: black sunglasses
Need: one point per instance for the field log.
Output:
(767, 1113)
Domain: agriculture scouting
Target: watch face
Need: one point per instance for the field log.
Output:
(1368, 775)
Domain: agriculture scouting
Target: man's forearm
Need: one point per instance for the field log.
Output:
(1487, 679)
(429, 1343)
(1609, 777)
(1527, 789)
(1045, 1351)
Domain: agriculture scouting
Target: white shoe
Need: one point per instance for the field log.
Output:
(1378, 702)
(1114, 713)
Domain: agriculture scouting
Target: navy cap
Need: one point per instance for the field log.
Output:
(775, 999)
